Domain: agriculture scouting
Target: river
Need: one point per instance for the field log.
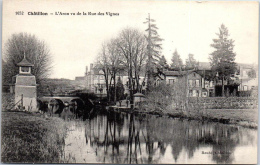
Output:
(127, 138)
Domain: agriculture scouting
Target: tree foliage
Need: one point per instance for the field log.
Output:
(35, 50)
(119, 89)
(176, 61)
(191, 63)
(153, 50)
(223, 58)
(163, 65)
(251, 73)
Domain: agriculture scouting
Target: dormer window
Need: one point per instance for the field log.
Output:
(25, 69)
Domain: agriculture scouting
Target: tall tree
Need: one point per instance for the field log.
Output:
(191, 62)
(153, 50)
(176, 61)
(35, 50)
(223, 58)
(103, 64)
(132, 48)
(109, 62)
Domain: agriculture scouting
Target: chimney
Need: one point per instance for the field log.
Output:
(91, 66)
(86, 73)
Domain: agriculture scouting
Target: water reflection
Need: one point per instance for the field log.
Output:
(128, 138)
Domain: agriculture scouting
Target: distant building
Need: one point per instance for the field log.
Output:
(96, 83)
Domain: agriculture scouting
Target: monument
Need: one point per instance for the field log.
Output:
(25, 87)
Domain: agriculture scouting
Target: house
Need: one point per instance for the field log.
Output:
(247, 76)
(95, 80)
(194, 84)
(96, 83)
(193, 81)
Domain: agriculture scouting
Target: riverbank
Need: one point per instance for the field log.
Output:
(241, 117)
(31, 138)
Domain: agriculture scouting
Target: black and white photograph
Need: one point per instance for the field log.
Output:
(129, 82)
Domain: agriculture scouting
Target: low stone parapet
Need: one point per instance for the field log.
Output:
(225, 102)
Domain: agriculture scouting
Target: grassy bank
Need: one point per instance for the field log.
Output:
(31, 138)
(242, 117)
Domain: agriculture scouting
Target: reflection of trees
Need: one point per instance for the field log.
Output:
(126, 138)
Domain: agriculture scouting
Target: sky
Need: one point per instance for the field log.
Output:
(188, 26)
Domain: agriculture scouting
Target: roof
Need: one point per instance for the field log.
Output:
(138, 95)
(24, 62)
(80, 78)
(177, 73)
(172, 73)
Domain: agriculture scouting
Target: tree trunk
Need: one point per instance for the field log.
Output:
(114, 87)
(149, 72)
(223, 89)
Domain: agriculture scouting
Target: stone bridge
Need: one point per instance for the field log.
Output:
(57, 103)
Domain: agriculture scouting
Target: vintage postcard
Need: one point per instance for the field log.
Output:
(129, 82)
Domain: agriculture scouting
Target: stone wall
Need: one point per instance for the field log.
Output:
(225, 102)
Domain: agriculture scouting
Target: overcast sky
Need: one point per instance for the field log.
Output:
(189, 27)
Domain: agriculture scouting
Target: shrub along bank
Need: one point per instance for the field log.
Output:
(172, 101)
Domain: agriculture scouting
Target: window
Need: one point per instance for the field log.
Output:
(171, 81)
(245, 88)
(194, 93)
(190, 92)
(197, 83)
(190, 83)
(25, 69)
(211, 84)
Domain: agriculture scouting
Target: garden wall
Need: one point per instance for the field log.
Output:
(225, 102)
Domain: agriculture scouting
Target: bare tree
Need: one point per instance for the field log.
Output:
(109, 62)
(132, 47)
(103, 64)
(114, 63)
(35, 50)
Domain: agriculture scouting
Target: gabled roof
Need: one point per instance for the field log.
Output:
(177, 73)
(172, 73)
(24, 62)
